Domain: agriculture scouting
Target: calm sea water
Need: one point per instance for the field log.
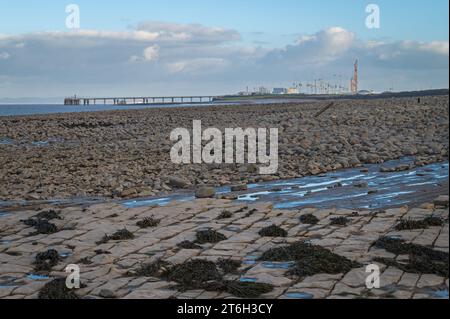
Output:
(34, 109)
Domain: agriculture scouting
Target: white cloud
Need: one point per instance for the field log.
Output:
(320, 48)
(189, 32)
(197, 66)
(439, 47)
(151, 53)
(198, 56)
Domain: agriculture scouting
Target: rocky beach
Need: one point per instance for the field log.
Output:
(126, 154)
(212, 244)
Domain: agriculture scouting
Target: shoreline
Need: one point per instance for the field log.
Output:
(225, 192)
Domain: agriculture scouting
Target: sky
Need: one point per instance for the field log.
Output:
(180, 47)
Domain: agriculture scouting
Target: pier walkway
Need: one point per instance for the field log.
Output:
(138, 100)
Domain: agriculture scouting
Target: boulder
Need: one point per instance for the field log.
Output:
(239, 187)
(177, 182)
(205, 192)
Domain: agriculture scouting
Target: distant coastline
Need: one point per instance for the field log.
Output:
(233, 97)
(19, 109)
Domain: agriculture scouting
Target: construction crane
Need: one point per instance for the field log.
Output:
(354, 80)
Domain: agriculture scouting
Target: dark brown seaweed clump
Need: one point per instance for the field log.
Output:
(189, 245)
(57, 289)
(225, 215)
(410, 224)
(41, 222)
(240, 210)
(417, 265)
(209, 236)
(44, 227)
(309, 219)
(85, 261)
(400, 247)
(193, 274)
(46, 261)
(122, 234)
(41, 226)
(273, 231)
(310, 259)
(322, 261)
(203, 274)
(339, 221)
(49, 214)
(250, 213)
(148, 222)
(422, 260)
(229, 266)
(154, 269)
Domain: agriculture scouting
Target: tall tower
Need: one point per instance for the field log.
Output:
(354, 80)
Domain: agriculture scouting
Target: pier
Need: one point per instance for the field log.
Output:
(138, 100)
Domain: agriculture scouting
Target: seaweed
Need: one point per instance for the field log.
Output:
(417, 265)
(203, 274)
(225, 215)
(309, 219)
(310, 259)
(229, 266)
(209, 236)
(273, 231)
(421, 259)
(322, 261)
(400, 247)
(148, 222)
(41, 222)
(41, 226)
(44, 227)
(286, 253)
(240, 210)
(193, 274)
(250, 213)
(85, 261)
(122, 234)
(49, 214)
(188, 245)
(46, 261)
(434, 221)
(411, 224)
(339, 221)
(154, 269)
(57, 289)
